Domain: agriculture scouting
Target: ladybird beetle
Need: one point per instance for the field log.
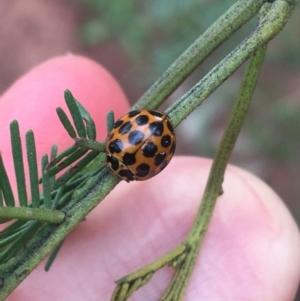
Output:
(140, 145)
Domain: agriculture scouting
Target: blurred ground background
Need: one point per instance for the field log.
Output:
(137, 40)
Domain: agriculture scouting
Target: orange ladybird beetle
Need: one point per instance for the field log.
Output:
(140, 145)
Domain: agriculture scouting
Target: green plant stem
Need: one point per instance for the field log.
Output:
(78, 166)
(194, 240)
(78, 153)
(130, 283)
(90, 144)
(84, 199)
(66, 153)
(156, 265)
(28, 213)
(190, 247)
(240, 13)
(277, 16)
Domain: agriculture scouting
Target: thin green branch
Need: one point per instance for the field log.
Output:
(272, 23)
(156, 265)
(90, 144)
(56, 159)
(71, 172)
(194, 240)
(84, 200)
(239, 14)
(127, 285)
(78, 153)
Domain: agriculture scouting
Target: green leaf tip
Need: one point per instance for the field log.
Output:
(75, 113)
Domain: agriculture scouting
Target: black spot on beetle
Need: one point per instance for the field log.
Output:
(127, 174)
(156, 113)
(149, 149)
(142, 170)
(118, 123)
(159, 158)
(163, 164)
(114, 162)
(170, 127)
(115, 146)
(166, 141)
(142, 119)
(128, 159)
(156, 128)
(133, 113)
(125, 128)
(135, 137)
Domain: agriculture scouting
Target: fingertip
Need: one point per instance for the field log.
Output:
(252, 244)
(33, 99)
(37, 94)
(251, 249)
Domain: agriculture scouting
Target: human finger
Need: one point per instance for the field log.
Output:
(33, 98)
(251, 250)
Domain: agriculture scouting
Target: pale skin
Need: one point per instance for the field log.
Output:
(251, 250)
